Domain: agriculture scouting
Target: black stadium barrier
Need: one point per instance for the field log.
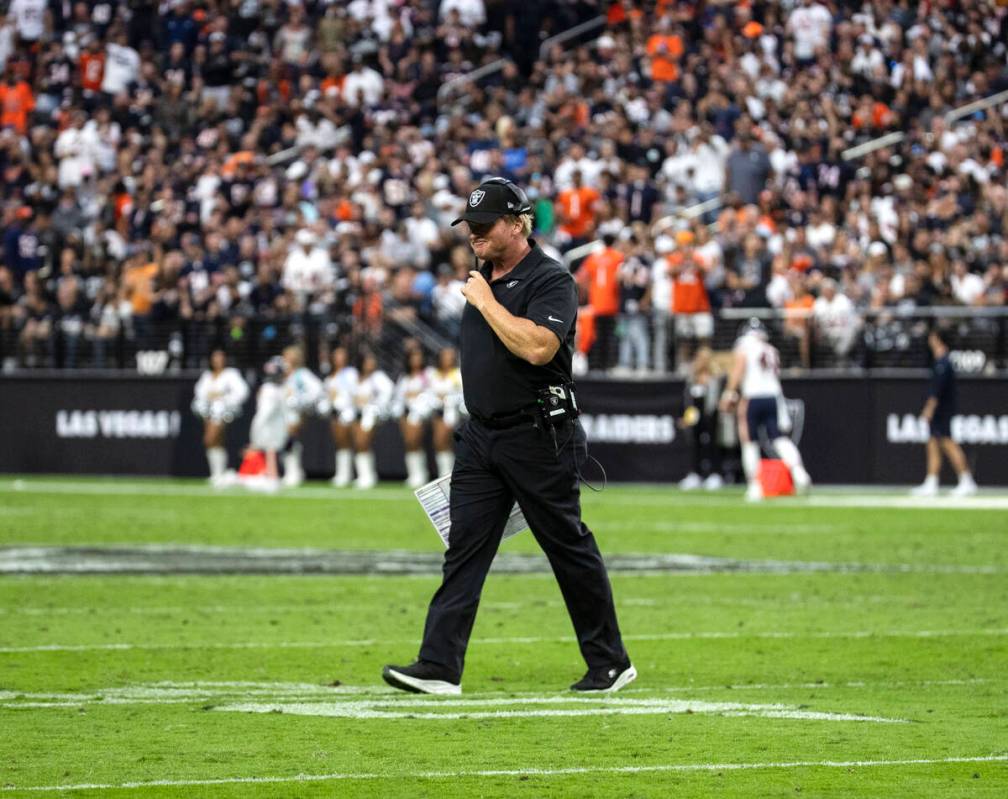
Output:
(856, 428)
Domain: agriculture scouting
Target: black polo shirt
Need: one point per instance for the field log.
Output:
(494, 381)
(943, 388)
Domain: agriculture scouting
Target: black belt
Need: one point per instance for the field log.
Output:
(507, 421)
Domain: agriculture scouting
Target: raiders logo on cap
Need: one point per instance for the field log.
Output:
(476, 197)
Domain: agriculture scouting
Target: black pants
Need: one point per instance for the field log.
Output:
(493, 469)
(706, 452)
(602, 354)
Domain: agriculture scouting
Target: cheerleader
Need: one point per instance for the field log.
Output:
(218, 398)
(340, 387)
(269, 425)
(305, 396)
(446, 383)
(415, 404)
(373, 397)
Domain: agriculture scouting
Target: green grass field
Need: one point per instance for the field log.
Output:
(844, 644)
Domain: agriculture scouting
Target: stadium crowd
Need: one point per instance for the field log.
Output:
(200, 173)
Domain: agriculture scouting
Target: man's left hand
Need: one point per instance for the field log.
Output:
(477, 291)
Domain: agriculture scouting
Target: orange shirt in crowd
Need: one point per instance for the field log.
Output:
(92, 69)
(334, 83)
(230, 166)
(345, 211)
(665, 52)
(602, 269)
(585, 335)
(16, 102)
(122, 205)
(881, 116)
(139, 284)
(622, 11)
(367, 311)
(577, 211)
(997, 156)
(689, 295)
(797, 312)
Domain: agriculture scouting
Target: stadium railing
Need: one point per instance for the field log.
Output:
(453, 86)
(884, 338)
(887, 338)
(571, 33)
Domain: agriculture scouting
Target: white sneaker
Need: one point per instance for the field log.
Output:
(802, 481)
(293, 478)
(967, 487)
(344, 469)
(690, 482)
(226, 480)
(929, 488)
(713, 482)
(754, 493)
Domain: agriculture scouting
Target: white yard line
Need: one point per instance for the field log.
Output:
(174, 692)
(434, 710)
(529, 772)
(684, 636)
(841, 497)
(976, 502)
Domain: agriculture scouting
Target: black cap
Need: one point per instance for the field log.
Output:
(493, 199)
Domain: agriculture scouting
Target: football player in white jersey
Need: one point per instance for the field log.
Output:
(755, 373)
(305, 396)
(218, 398)
(372, 403)
(446, 383)
(340, 387)
(415, 403)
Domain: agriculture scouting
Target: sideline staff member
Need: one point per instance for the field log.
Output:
(941, 405)
(517, 340)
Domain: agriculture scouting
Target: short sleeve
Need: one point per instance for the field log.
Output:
(554, 303)
(939, 380)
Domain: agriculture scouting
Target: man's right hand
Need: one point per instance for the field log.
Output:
(477, 291)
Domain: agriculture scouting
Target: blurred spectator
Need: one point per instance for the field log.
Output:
(661, 301)
(747, 169)
(72, 314)
(17, 101)
(634, 290)
(967, 287)
(694, 323)
(599, 272)
(307, 267)
(122, 65)
(810, 23)
(34, 316)
(21, 244)
(836, 320)
(472, 13)
(31, 18)
(448, 301)
(576, 209)
(798, 309)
